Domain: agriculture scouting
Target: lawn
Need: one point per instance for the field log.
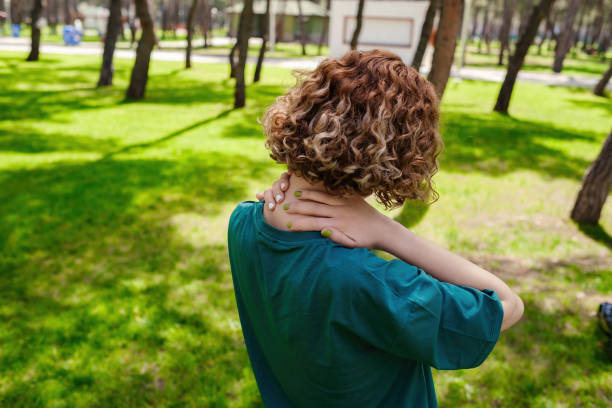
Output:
(114, 275)
(576, 62)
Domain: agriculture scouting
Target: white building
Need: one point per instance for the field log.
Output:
(394, 25)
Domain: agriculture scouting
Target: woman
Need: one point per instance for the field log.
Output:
(326, 322)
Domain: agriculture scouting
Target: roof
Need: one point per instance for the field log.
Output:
(286, 7)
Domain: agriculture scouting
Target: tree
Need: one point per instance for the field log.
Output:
(113, 26)
(425, 34)
(140, 71)
(35, 16)
(3, 16)
(516, 61)
(325, 28)
(264, 43)
(68, 12)
(566, 36)
(486, 30)
(504, 30)
(355, 39)
(205, 21)
(193, 11)
(52, 15)
(446, 40)
(596, 27)
(302, 27)
(16, 11)
(596, 185)
(603, 82)
(246, 18)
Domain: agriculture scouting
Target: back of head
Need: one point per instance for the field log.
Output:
(362, 124)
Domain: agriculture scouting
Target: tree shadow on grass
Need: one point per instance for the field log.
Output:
(114, 289)
(550, 355)
(596, 232)
(28, 140)
(497, 144)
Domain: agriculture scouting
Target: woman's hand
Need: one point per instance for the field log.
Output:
(350, 222)
(276, 194)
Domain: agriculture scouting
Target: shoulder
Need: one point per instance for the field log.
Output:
(242, 210)
(360, 268)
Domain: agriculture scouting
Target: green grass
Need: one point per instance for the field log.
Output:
(576, 63)
(115, 281)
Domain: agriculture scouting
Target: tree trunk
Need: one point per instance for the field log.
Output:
(567, 34)
(35, 16)
(548, 27)
(475, 12)
(132, 23)
(446, 40)
(193, 11)
(205, 21)
(525, 12)
(597, 24)
(140, 72)
(504, 30)
(516, 61)
(264, 40)
(603, 82)
(425, 34)
(355, 39)
(596, 185)
(325, 28)
(2, 16)
(67, 13)
(576, 38)
(113, 27)
(485, 26)
(302, 27)
(243, 47)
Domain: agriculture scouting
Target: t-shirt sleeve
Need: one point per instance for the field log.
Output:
(403, 310)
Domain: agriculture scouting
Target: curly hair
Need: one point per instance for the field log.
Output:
(362, 124)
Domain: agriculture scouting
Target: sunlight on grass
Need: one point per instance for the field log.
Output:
(115, 277)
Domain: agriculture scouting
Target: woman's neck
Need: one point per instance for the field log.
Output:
(279, 218)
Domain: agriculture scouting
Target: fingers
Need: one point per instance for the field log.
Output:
(277, 192)
(269, 199)
(310, 208)
(259, 196)
(284, 181)
(306, 223)
(338, 237)
(319, 196)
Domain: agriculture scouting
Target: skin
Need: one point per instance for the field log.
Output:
(352, 222)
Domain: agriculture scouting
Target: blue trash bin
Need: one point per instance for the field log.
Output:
(15, 30)
(72, 36)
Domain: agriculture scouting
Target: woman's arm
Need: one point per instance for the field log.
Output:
(449, 267)
(353, 223)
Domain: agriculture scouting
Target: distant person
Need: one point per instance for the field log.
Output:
(327, 322)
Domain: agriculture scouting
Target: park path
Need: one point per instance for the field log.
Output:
(484, 74)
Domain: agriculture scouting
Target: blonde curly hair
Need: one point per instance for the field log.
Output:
(362, 124)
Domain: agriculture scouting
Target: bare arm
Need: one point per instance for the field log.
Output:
(448, 267)
(354, 223)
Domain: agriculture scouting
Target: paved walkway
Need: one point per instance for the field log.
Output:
(484, 74)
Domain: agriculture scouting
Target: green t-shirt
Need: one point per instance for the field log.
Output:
(329, 326)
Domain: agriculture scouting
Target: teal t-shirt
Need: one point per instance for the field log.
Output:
(329, 326)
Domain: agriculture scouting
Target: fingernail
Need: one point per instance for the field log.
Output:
(270, 205)
(289, 225)
(286, 207)
(283, 185)
(279, 197)
(326, 233)
(298, 193)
